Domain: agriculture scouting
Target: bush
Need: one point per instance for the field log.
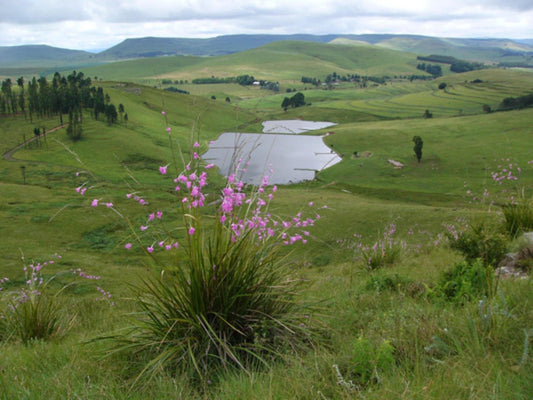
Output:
(465, 281)
(479, 241)
(366, 362)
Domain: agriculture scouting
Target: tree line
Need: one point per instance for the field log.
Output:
(456, 65)
(63, 95)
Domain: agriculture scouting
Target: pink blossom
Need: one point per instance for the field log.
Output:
(109, 205)
(163, 170)
(159, 214)
(191, 230)
(150, 249)
(143, 228)
(163, 112)
(168, 129)
(82, 191)
(151, 217)
(129, 195)
(209, 166)
(196, 145)
(127, 246)
(94, 203)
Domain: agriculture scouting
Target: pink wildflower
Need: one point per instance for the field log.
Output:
(94, 203)
(163, 170)
(127, 246)
(191, 231)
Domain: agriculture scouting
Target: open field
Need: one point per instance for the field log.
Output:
(386, 334)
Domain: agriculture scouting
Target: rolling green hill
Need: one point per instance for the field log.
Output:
(278, 61)
(42, 58)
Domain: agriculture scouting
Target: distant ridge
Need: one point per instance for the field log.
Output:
(505, 51)
(43, 55)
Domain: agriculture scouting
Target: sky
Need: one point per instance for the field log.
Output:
(96, 25)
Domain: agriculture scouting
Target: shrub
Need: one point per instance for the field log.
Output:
(465, 281)
(479, 241)
(366, 362)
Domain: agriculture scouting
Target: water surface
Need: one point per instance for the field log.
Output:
(284, 158)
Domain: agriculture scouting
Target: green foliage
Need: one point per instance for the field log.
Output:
(419, 144)
(478, 331)
(366, 363)
(295, 101)
(480, 240)
(518, 216)
(32, 316)
(233, 306)
(465, 281)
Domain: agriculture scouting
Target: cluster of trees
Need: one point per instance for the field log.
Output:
(297, 100)
(244, 80)
(274, 86)
(63, 95)
(176, 90)
(516, 103)
(334, 77)
(455, 64)
(433, 69)
(175, 82)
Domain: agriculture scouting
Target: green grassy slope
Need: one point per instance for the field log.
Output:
(279, 61)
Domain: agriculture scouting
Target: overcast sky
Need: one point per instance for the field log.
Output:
(100, 24)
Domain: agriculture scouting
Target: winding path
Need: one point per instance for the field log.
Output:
(8, 155)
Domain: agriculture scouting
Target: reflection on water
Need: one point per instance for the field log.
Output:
(292, 158)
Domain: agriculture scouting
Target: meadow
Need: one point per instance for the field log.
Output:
(383, 330)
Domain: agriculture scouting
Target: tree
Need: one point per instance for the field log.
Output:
(121, 111)
(442, 85)
(418, 147)
(297, 100)
(428, 114)
(486, 108)
(285, 103)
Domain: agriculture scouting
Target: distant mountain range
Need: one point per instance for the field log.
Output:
(506, 51)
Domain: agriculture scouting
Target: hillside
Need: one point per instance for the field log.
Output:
(42, 58)
(277, 61)
(388, 308)
(42, 55)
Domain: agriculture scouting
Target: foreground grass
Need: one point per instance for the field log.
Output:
(361, 309)
(72, 368)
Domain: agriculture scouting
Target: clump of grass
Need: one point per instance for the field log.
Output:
(34, 311)
(518, 216)
(229, 301)
(383, 252)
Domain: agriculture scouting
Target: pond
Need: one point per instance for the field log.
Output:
(284, 158)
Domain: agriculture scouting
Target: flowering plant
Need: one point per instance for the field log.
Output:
(229, 299)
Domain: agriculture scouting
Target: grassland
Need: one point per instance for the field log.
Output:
(362, 309)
